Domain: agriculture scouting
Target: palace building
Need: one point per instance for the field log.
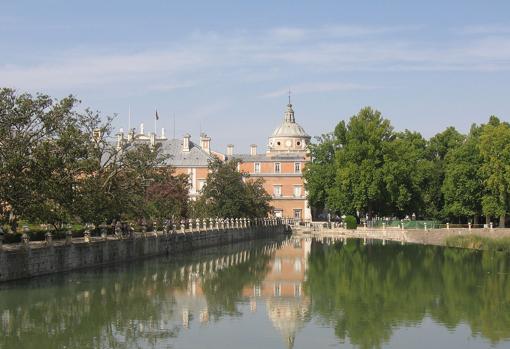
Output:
(281, 167)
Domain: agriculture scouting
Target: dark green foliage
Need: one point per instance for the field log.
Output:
(59, 165)
(367, 168)
(230, 193)
(351, 222)
(480, 243)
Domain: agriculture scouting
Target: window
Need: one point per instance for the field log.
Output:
(297, 213)
(297, 290)
(297, 191)
(277, 190)
(257, 167)
(297, 167)
(277, 167)
(256, 291)
(277, 290)
(277, 267)
(297, 264)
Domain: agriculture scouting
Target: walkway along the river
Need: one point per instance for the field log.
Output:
(29, 259)
(416, 236)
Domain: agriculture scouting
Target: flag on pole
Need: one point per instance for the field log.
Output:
(157, 116)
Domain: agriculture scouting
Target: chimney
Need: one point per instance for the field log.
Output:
(152, 139)
(205, 143)
(230, 149)
(253, 149)
(185, 142)
(120, 138)
(141, 128)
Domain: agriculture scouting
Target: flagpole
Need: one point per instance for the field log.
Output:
(155, 120)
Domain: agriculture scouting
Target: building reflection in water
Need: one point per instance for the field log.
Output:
(281, 289)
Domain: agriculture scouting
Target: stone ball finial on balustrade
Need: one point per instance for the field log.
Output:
(204, 224)
(174, 228)
(236, 222)
(198, 225)
(190, 222)
(155, 226)
(183, 226)
(104, 232)
(86, 233)
(144, 228)
(25, 238)
(48, 238)
(118, 230)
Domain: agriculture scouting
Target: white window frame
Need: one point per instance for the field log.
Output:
(300, 213)
(278, 165)
(256, 167)
(279, 193)
(300, 191)
(297, 167)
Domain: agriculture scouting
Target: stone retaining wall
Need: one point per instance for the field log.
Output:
(417, 236)
(34, 259)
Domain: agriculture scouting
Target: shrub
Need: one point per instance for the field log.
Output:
(351, 222)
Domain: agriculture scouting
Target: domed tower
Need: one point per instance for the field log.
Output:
(289, 137)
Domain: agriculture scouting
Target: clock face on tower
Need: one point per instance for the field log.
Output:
(288, 143)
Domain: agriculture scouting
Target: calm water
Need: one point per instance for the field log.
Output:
(293, 293)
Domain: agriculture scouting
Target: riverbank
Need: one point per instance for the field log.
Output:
(19, 261)
(438, 237)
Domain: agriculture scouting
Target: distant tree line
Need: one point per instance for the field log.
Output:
(365, 167)
(58, 165)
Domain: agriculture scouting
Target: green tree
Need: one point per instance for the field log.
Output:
(405, 171)
(437, 149)
(319, 174)
(230, 193)
(463, 184)
(495, 152)
(359, 159)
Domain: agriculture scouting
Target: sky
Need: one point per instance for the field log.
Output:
(225, 67)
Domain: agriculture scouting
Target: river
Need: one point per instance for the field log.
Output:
(292, 293)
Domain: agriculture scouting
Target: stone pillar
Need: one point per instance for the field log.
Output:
(118, 230)
(491, 226)
(447, 226)
(25, 238)
(365, 225)
(469, 225)
(198, 224)
(183, 226)
(236, 222)
(217, 223)
(48, 238)
(174, 228)
(104, 233)
(69, 237)
(384, 226)
(86, 234)
(425, 226)
(155, 227)
(144, 228)
(190, 221)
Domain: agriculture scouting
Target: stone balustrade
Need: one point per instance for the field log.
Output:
(31, 258)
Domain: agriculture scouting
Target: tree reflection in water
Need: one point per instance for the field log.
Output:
(139, 306)
(364, 292)
(367, 291)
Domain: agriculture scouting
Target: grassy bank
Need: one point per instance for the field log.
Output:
(479, 243)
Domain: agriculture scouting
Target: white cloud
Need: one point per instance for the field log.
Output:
(249, 56)
(315, 87)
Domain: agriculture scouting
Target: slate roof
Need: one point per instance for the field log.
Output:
(195, 157)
